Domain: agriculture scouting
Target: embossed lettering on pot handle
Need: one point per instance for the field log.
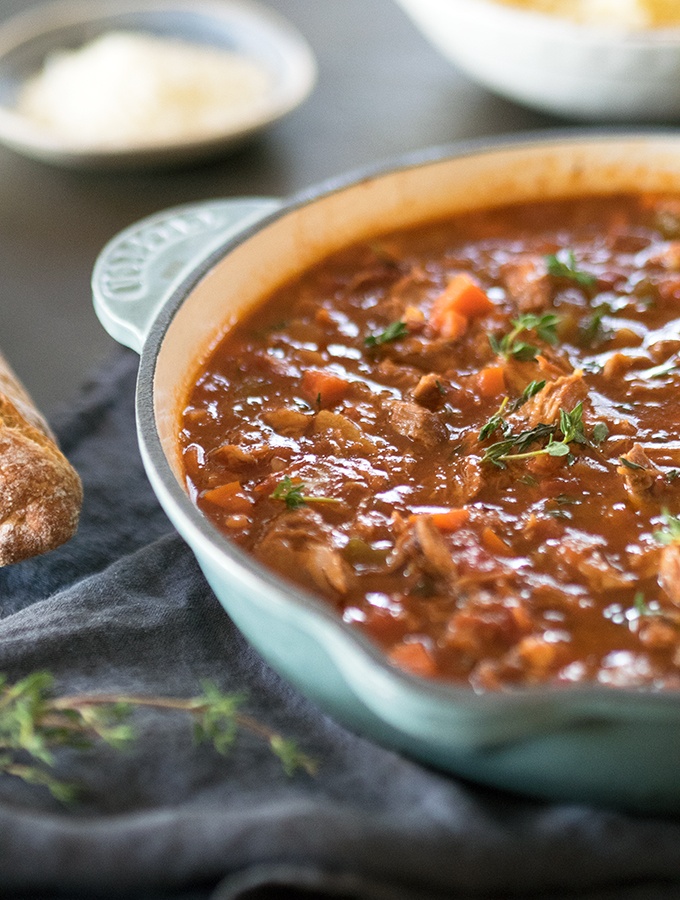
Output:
(139, 268)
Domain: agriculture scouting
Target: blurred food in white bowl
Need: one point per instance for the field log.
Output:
(608, 13)
(590, 60)
(122, 83)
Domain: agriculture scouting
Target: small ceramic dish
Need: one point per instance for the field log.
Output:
(169, 285)
(241, 27)
(580, 71)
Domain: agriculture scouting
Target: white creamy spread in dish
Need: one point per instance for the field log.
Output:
(129, 89)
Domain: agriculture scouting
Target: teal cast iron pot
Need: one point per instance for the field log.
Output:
(170, 286)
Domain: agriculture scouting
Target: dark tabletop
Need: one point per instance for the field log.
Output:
(382, 90)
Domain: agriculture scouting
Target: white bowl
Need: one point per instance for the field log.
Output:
(241, 26)
(574, 70)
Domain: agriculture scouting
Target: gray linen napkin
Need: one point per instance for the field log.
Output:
(124, 608)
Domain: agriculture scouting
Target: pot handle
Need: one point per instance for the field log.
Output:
(139, 268)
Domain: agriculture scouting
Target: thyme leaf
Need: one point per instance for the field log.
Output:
(394, 332)
(563, 265)
(670, 532)
(497, 420)
(501, 451)
(510, 346)
(599, 433)
(593, 329)
(293, 494)
(642, 607)
(629, 464)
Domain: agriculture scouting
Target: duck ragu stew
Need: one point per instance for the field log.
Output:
(466, 438)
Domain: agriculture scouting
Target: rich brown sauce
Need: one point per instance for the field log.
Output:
(481, 471)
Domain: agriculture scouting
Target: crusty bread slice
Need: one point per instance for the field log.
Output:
(40, 492)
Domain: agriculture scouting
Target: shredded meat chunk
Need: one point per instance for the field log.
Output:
(563, 393)
(486, 629)
(346, 437)
(469, 479)
(618, 364)
(300, 541)
(240, 458)
(421, 546)
(585, 558)
(289, 422)
(416, 423)
(428, 392)
(638, 472)
(528, 283)
(669, 571)
(434, 547)
(518, 374)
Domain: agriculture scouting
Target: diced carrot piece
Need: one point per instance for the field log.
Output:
(467, 297)
(324, 388)
(382, 625)
(444, 519)
(449, 324)
(413, 318)
(322, 316)
(491, 381)
(414, 657)
(462, 296)
(231, 497)
(495, 544)
(451, 519)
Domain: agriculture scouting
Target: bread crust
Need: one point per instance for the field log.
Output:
(40, 492)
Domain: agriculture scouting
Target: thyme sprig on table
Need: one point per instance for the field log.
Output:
(34, 723)
(570, 427)
(510, 345)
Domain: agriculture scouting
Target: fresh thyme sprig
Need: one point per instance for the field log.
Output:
(507, 407)
(293, 494)
(393, 332)
(34, 723)
(510, 346)
(571, 427)
(502, 451)
(563, 265)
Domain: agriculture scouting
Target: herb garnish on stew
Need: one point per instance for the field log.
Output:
(509, 345)
(563, 265)
(393, 332)
(570, 426)
(293, 494)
